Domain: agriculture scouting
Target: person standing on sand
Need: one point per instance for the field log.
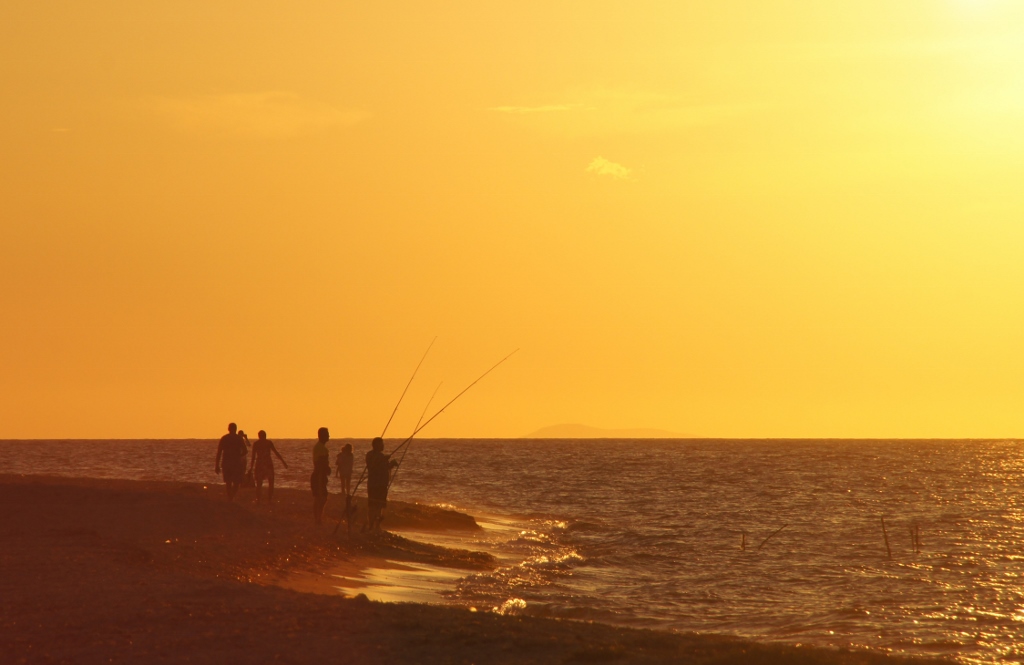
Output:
(378, 474)
(246, 478)
(343, 468)
(231, 457)
(321, 473)
(264, 465)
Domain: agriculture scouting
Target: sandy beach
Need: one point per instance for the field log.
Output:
(122, 571)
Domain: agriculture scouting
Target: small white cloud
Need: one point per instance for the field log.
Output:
(602, 166)
(271, 114)
(523, 110)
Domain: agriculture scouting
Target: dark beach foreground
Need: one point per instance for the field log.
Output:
(100, 571)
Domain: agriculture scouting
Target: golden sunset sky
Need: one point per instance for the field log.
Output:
(725, 218)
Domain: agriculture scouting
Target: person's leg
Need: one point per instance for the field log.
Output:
(270, 488)
(321, 501)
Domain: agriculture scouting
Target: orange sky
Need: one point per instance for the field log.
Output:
(740, 218)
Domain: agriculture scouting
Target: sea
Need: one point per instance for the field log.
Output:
(908, 547)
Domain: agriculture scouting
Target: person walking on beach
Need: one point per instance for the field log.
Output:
(263, 463)
(321, 473)
(231, 458)
(343, 468)
(378, 474)
(246, 477)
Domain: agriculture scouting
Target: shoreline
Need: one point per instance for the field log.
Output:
(101, 570)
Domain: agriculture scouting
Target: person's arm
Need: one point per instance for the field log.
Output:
(274, 448)
(220, 451)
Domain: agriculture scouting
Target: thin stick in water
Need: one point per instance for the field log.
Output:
(772, 535)
(885, 534)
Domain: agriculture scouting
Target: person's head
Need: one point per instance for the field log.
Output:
(347, 448)
(323, 435)
(241, 433)
(232, 427)
(378, 444)
(262, 435)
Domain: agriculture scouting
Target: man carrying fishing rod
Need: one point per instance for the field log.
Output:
(383, 464)
(378, 479)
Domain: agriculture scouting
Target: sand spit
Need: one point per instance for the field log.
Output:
(97, 571)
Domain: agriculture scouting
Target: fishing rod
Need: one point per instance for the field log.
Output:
(417, 430)
(348, 496)
(395, 410)
(404, 452)
(441, 410)
(432, 395)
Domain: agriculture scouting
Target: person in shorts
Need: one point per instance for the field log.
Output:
(262, 465)
(343, 468)
(321, 473)
(231, 460)
(378, 476)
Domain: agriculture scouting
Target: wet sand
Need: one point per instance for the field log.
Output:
(99, 571)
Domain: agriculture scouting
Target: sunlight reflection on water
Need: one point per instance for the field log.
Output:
(649, 533)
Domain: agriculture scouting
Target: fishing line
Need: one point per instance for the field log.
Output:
(348, 496)
(406, 451)
(395, 410)
(440, 411)
(362, 476)
(450, 402)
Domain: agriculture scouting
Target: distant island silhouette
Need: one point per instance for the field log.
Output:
(575, 431)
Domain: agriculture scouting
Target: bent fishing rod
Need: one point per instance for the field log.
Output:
(441, 410)
(395, 410)
(404, 452)
(348, 496)
(400, 398)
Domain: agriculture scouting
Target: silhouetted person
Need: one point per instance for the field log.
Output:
(231, 458)
(321, 473)
(343, 468)
(378, 474)
(263, 463)
(246, 478)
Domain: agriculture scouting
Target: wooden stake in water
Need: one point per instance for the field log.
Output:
(885, 534)
(743, 541)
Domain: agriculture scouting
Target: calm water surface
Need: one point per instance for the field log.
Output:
(651, 533)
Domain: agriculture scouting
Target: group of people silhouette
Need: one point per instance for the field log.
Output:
(233, 450)
(231, 457)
